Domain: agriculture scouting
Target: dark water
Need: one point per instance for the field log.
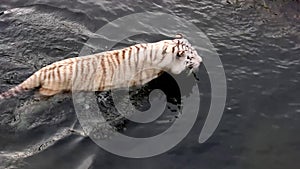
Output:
(260, 51)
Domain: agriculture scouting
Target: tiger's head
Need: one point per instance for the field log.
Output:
(184, 56)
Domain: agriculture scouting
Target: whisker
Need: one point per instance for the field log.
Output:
(195, 76)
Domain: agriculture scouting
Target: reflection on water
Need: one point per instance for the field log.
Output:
(258, 45)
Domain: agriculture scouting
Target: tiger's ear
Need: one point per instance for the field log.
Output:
(178, 36)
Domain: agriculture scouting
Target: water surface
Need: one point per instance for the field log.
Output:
(260, 52)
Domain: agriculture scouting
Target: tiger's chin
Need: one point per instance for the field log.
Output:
(194, 67)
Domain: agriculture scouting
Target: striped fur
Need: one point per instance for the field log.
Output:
(134, 65)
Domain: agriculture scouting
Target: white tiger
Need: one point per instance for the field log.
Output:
(130, 66)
